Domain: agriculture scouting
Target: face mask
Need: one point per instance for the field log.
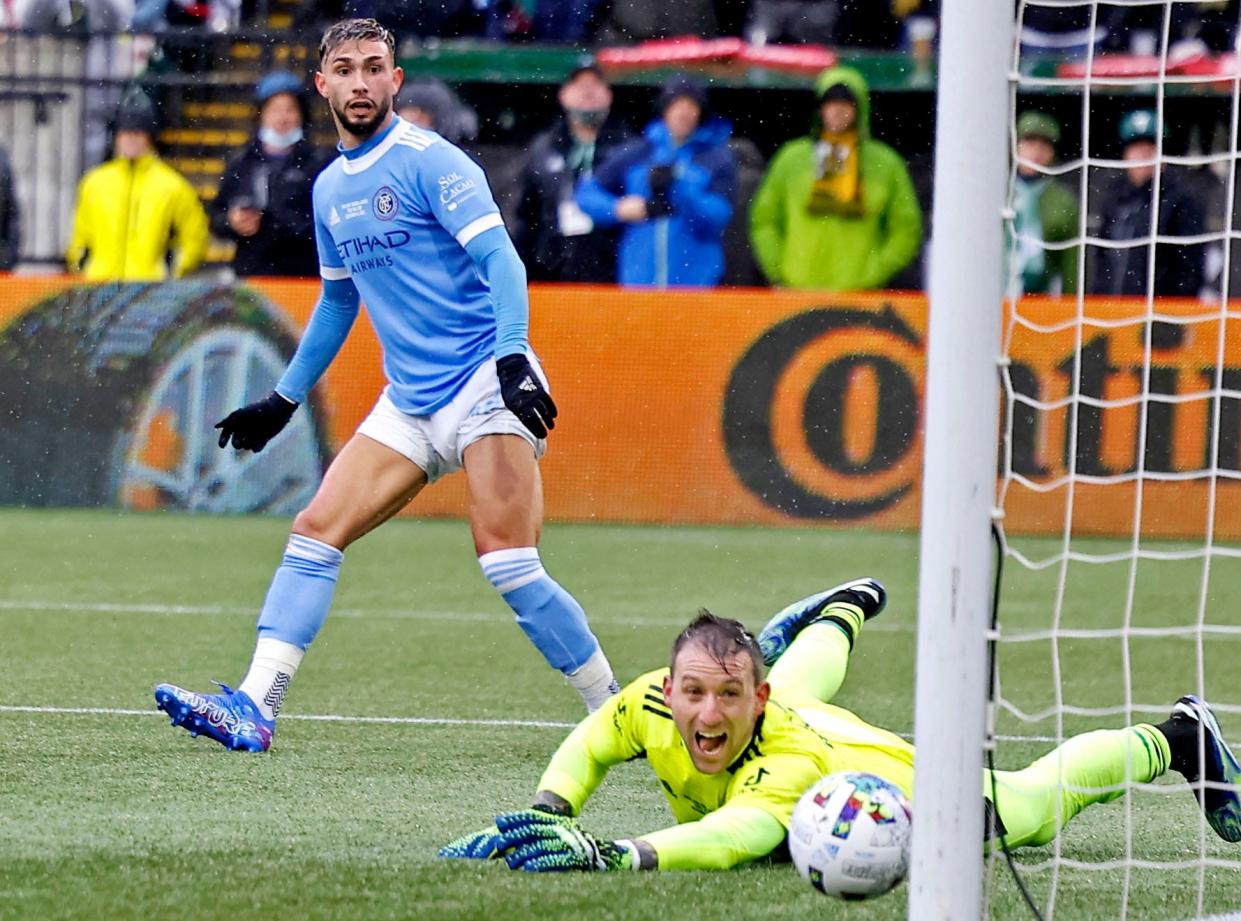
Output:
(280, 140)
(588, 118)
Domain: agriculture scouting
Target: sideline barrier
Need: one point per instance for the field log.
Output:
(724, 407)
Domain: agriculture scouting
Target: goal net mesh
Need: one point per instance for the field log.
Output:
(1120, 463)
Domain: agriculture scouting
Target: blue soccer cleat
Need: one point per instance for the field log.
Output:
(230, 718)
(859, 601)
(1220, 768)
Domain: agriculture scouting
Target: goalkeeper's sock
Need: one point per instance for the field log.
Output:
(845, 617)
(816, 661)
(272, 668)
(1182, 735)
(552, 619)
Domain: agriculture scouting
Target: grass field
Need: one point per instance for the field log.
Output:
(422, 711)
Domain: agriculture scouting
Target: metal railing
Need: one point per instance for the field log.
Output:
(59, 94)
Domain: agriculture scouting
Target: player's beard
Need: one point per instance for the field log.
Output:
(362, 129)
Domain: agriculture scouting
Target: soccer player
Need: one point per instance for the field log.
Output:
(734, 753)
(405, 221)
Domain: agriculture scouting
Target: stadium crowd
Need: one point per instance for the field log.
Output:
(835, 209)
(683, 199)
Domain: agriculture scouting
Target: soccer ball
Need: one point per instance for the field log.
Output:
(850, 835)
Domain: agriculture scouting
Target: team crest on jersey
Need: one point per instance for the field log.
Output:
(385, 204)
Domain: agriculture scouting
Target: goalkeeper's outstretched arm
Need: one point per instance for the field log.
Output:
(721, 840)
(543, 839)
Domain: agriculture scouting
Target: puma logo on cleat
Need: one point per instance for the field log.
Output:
(528, 384)
(218, 716)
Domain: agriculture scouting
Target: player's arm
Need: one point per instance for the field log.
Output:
(501, 268)
(541, 840)
(252, 426)
(607, 737)
(454, 188)
(326, 332)
(720, 840)
(750, 825)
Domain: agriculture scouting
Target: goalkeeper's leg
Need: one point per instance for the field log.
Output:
(1033, 804)
(809, 642)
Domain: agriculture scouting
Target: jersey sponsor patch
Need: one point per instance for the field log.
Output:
(455, 189)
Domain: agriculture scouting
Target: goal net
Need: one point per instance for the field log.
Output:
(1120, 462)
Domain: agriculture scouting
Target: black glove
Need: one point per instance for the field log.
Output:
(524, 394)
(660, 202)
(252, 426)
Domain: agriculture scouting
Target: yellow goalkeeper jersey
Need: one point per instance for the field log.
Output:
(797, 741)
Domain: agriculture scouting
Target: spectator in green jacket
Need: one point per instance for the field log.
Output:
(1045, 211)
(836, 210)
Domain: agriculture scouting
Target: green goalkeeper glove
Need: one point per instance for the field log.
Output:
(481, 845)
(538, 842)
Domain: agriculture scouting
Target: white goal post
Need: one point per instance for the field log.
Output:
(1117, 422)
(959, 466)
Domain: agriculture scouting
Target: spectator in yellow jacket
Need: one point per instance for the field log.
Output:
(137, 218)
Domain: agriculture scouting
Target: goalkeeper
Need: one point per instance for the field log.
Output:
(734, 752)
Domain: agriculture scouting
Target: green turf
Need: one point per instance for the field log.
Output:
(119, 816)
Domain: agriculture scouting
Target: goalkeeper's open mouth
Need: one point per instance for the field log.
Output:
(710, 743)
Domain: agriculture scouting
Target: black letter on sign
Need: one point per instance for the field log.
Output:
(825, 416)
(752, 389)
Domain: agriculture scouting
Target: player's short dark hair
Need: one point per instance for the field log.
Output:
(722, 638)
(355, 30)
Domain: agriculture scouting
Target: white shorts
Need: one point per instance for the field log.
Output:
(437, 443)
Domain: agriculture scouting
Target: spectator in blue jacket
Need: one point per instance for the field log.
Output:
(671, 192)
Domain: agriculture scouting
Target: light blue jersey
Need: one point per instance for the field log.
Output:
(394, 215)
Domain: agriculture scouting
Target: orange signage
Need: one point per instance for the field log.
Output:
(762, 407)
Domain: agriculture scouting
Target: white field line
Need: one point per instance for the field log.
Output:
(404, 721)
(94, 607)
(390, 720)
(307, 717)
